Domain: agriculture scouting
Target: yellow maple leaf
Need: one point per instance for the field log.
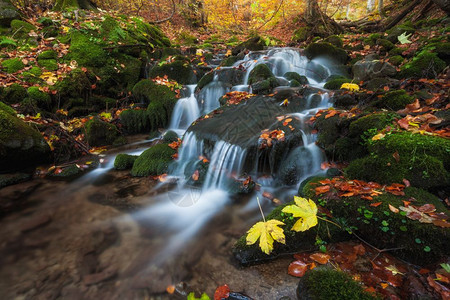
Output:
(353, 87)
(305, 210)
(267, 232)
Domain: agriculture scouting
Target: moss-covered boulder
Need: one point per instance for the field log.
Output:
(8, 109)
(47, 60)
(421, 159)
(13, 178)
(297, 77)
(13, 65)
(100, 133)
(301, 34)
(336, 83)
(395, 100)
(7, 13)
(20, 145)
(396, 60)
(13, 94)
(253, 44)
(335, 41)
(259, 73)
(135, 121)
(324, 283)
(385, 45)
(326, 50)
(396, 31)
(153, 161)
(179, 70)
(170, 136)
(85, 51)
(38, 98)
(229, 61)
(207, 78)
(425, 64)
(22, 28)
(124, 161)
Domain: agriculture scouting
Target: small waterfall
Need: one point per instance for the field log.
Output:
(186, 111)
(210, 95)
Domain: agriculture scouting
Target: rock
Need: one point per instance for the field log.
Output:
(179, 70)
(259, 73)
(7, 13)
(230, 76)
(35, 222)
(336, 82)
(153, 161)
(99, 277)
(20, 145)
(295, 76)
(335, 41)
(124, 161)
(425, 64)
(326, 50)
(100, 133)
(379, 83)
(10, 179)
(301, 34)
(394, 100)
(253, 44)
(365, 70)
(398, 30)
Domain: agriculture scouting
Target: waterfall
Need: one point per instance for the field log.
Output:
(186, 111)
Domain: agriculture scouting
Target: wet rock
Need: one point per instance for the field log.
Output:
(254, 44)
(99, 277)
(326, 50)
(365, 70)
(295, 76)
(100, 133)
(7, 13)
(379, 83)
(230, 76)
(14, 178)
(35, 222)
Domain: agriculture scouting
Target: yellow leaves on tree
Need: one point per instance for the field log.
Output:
(267, 232)
(305, 210)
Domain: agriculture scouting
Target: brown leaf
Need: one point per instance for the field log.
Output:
(297, 268)
(321, 258)
(396, 156)
(322, 189)
(393, 209)
(196, 175)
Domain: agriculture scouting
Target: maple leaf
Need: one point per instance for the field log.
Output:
(267, 232)
(352, 87)
(305, 210)
(403, 38)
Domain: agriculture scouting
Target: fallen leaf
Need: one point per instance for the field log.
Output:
(393, 209)
(305, 210)
(321, 258)
(297, 268)
(222, 292)
(267, 232)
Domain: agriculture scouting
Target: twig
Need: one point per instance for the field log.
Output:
(260, 209)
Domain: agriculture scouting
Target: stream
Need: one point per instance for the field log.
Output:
(107, 235)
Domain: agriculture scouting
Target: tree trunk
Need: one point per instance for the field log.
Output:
(380, 8)
(312, 12)
(444, 5)
(83, 4)
(370, 5)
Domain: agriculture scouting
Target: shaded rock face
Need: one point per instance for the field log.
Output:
(7, 13)
(20, 145)
(369, 69)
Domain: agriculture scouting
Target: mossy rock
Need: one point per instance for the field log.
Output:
(295, 76)
(38, 98)
(14, 94)
(68, 173)
(396, 51)
(325, 283)
(423, 160)
(253, 44)
(111, 30)
(13, 65)
(76, 85)
(372, 39)
(48, 64)
(135, 121)
(336, 83)
(147, 33)
(170, 136)
(264, 86)
(14, 178)
(396, 60)
(335, 41)
(153, 161)
(32, 75)
(8, 13)
(259, 73)
(425, 64)
(326, 50)
(385, 44)
(229, 61)
(124, 161)
(394, 32)
(301, 34)
(377, 121)
(21, 27)
(441, 49)
(180, 71)
(86, 52)
(395, 100)
(100, 133)
(8, 109)
(207, 78)
(48, 54)
(20, 145)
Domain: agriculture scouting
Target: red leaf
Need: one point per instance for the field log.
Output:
(222, 292)
(376, 204)
(322, 189)
(297, 268)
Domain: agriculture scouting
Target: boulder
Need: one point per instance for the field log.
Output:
(20, 145)
(7, 13)
(365, 70)
(326, 50)
(253, 44)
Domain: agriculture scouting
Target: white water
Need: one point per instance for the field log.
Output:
(186, 111)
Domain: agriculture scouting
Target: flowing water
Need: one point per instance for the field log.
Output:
(174, 227)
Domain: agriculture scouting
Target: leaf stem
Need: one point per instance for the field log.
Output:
(326, 220)
(260, 209)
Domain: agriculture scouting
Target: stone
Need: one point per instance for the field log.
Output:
(365, 70)
(7, 13)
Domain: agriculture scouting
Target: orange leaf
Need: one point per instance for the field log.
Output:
(196, 175)
(170, 289)
(321, 258)
(393, 209)
(222, 292)
(331, 113)
(322, 189)
(376, 204)
(396, 156)
(297, 268)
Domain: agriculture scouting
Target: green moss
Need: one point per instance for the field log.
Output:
(301, 34)
(394, 32)
(180, 71)
(372, 39)
(396, 60)
(68, 173)
(396, 51)
(170, 136)
(111, 30)
(295, 76)
(39, 98)
(423, 160)
(259, 73)
(100, 133)
(442, 49)
(153, 161)
(13, 65)
(229, 61)
(86, 52)
(425, 64)
(8, 109)
(135, 121)
(385, 44)
(48, 64)
(48, 54)
(395, 100)
(76, 85)
(327, 50)
(207, 78)
(323, 283)
(21, 27)
(255, 43)
(13, 94)
(374, 122)
(124, 161)
(335, 41)
(335, 84)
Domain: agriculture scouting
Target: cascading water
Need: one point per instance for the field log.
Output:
(186, 111)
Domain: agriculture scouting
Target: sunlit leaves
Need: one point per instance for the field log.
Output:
(352, 87)
(305, 210)
(267, 232)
